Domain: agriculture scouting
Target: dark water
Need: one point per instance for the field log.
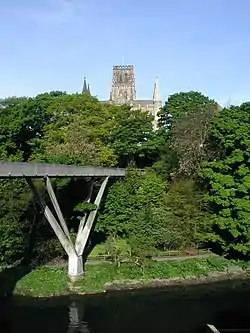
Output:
(175, 309)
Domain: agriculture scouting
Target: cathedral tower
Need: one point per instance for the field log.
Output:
(123, 85)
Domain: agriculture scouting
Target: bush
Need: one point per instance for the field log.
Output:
(189, 219)
(115, 248)
(144, 235)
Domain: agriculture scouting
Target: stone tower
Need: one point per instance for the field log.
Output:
(123, 85)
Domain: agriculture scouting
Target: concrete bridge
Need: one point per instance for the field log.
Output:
(28, 171)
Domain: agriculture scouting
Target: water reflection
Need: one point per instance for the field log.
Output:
(76, 315)
(175, 309)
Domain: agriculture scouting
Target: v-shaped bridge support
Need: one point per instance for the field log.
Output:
(74, 251)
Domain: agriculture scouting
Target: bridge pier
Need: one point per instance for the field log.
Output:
(74, 251)
(75, 266)
(12, 170)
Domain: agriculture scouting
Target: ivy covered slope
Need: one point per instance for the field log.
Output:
(193, 191)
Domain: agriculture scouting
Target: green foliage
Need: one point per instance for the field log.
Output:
(126, 198)
(84, 131)
(116, 249)
(228, 181)
(183, 104)
(11, 101)
(186, 116)
(167, 162)
(132, 136)
(22, 124)
(156, 208)
(114, 243)
(188, 211)
(85, 207)
(144, 235)
(77, 132)
(169, 234)
(15, 227)
(189, 139)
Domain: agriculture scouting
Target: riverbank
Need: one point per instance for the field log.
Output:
(51, 281)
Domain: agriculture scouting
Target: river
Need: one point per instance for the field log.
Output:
(185, 309)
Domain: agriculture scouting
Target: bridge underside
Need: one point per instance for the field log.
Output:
(28, 171)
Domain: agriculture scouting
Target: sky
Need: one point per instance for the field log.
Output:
(200, 45)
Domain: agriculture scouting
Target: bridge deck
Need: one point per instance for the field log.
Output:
(40, 170)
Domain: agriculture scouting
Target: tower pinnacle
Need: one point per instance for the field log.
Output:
(157, 103)
(156, 94)
(85, 88)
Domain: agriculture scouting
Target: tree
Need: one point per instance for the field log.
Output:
(189, 216)
(132, 137)
(183, 104)
(227, 179)
(11, 101)
(21, 125)
(84, 131)
(189, 138)
(17, 219)
(186, 117)
(127, 198)
(144, 234)
(77, 133)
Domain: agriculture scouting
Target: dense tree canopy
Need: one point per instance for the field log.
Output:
(228, 179)
(187, 183)
(183, 104)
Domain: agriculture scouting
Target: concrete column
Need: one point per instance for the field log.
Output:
(75, 265)
(83, 235)
(57, 207)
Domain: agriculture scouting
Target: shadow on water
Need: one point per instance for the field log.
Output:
(8, 279)
(175, 309)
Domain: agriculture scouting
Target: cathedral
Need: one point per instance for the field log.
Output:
(123, 91)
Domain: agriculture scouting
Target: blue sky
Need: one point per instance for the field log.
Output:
(201, 45)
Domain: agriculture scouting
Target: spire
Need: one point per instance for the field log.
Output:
(157, 104)
(156, 95)
(85, 88)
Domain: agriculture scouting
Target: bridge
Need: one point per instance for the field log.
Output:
(29, 171)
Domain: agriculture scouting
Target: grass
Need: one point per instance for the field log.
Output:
(43, 281)
(46, 281)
